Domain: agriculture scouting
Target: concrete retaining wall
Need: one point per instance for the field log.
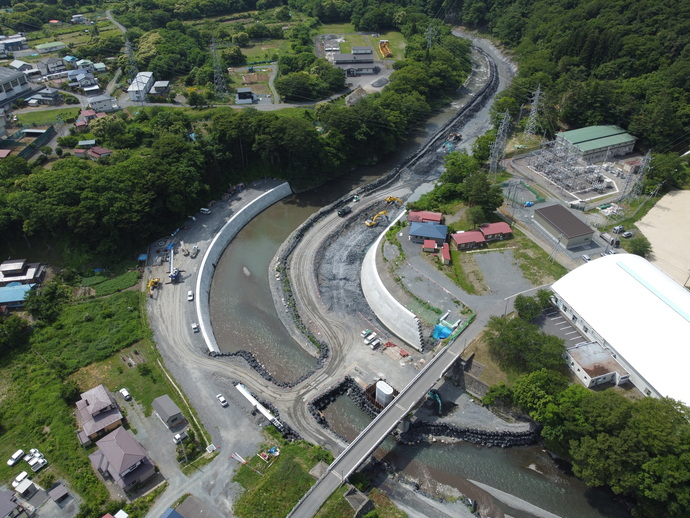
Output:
(218, 245)
(392, 314)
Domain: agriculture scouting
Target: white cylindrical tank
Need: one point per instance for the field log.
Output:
(384, 393)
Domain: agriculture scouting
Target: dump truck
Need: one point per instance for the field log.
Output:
(385, 49)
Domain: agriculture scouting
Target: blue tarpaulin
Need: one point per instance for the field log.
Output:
(441, 332)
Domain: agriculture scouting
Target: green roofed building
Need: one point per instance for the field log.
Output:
(596, 143)
(51, 46)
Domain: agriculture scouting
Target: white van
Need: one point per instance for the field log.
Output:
(15, 457)
(205, 211)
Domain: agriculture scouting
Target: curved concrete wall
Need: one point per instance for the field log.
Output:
(218, 245)
(396, 317)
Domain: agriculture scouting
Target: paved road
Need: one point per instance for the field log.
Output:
(110, 16)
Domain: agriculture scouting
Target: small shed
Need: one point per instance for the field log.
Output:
(445, 254)
(58, 493)
(26, 488)
(429, 245)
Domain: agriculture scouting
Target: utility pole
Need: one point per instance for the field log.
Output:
(218, 77)
(533, 112)
(133, 69)
(498, 147)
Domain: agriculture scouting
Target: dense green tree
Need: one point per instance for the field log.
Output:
(14, 333)
(528, 308)
(640, 245)
(45, 303)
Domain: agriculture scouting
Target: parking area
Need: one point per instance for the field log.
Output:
(554, 323)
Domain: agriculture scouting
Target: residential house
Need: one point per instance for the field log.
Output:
(429, 245)
(468, 240)
(51, 46)
(97, 414)
(99, 68)
(445, 254)
(140, 86)
(420, 232)
(78, 18)
(13, 84)
(167, 411)
(160, 88)
(10, 506)
(121, 458)
(21, 66)
(424, 216)
(496, 231)
(50, 66)
(103, 103)
(70, 59)
(86, 143)
(244, 96)
(14, 294)
(21, 271)
(48, 96)
(97, 152)
(362, 50)
(86, 64)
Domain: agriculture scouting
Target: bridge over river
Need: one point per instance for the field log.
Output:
(374, 434)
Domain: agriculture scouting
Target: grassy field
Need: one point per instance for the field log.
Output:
(279, 485)
(265, 50)
(336, 506)
(532, 260)
(43, 117)
(336, 28)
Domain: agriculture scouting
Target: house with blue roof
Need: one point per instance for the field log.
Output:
(14, 294)
(420, 232)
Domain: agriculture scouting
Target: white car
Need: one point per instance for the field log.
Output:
(179, 437)
(15, 457)
(222, 400)
(190, 295)
(37, 463)
(204, 210)
(195, 327)
(125, 394)
(369, 338)
(19, 478)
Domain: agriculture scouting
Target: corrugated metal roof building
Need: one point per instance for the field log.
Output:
(596, 143)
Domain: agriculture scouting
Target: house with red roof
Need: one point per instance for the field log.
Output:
(496, 231)
(97, 152)
(429, 245)
(445, 254)
(424, 216)
(468, 240)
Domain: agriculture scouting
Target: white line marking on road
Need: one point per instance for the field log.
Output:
(575, 338)
(571, 332)
(562, 328)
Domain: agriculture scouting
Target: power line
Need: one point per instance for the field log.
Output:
(533, 112)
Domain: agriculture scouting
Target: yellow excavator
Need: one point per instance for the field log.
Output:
(152, 285)
(374, 221)
(393, 199)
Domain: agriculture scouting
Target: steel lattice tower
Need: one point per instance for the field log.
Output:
(133, 69)
(533, 112)
(498, 147)
(218, 77)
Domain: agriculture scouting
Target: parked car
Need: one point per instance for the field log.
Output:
(125, 394)
(618, 229)
(627, 234)
(375, 344)
(365, 333)
(586, 258)
(205, 211)
(195, 327)
(222, 400)
(190, 295)
(369, 338)
(179, 437)
(16, 456)
(611, 252)
(18, 480)
(37, 463)
(344, 211)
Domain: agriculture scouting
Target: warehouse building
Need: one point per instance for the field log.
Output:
(13, 84)
(597, 143)
(564, 226)
(634, 315)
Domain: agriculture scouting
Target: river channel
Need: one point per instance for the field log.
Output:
(243, 316)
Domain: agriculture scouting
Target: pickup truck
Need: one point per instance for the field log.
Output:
(344, 211)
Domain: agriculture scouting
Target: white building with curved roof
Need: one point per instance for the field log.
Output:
(639, 314)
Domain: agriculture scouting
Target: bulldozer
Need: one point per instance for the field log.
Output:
(152, 285)
(385, 49)
(374, 221)
(393, 199)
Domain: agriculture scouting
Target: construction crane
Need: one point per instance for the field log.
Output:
(393, 199)
(152, 285)
(374, 221)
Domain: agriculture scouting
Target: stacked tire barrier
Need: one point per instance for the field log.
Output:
(421, 431)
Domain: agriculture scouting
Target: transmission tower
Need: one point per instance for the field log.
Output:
(644, 165)
(133, 69)
(218, 77)
(430, 35)
(498, 147)
(533, 112)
